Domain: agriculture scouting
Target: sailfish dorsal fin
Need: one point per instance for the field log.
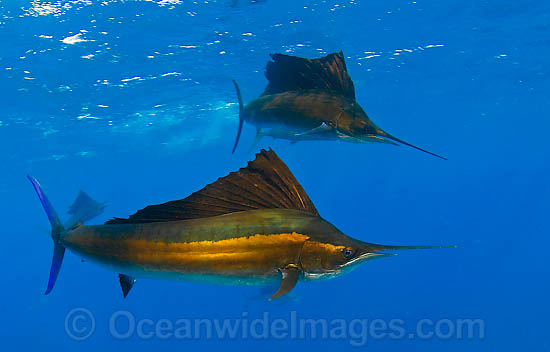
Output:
(266, 183)
(292, 73)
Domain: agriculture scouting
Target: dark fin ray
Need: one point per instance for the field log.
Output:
(126, 283)
(290, 73)
(266, 183)
(241, 120)
(290, 278)
(387, 135)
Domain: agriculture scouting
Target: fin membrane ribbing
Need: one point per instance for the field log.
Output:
(291, 73)
(266, 183)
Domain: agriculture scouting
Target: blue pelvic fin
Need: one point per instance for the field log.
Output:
(56, 230)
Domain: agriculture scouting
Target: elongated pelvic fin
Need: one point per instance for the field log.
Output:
(241, 120)
(291, 73)
(290, 277)
(126, 283)
(387, 135)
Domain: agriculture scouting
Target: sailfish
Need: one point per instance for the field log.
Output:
(311, 99)
(253, 226)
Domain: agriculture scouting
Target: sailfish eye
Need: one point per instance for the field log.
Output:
(348, 253)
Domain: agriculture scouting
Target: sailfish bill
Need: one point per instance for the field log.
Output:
(311, 99)
(389, 136)
(252, 226)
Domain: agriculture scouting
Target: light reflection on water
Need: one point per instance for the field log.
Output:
(82, 66)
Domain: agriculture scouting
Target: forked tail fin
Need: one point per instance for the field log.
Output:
(240, 99)
(57, 229)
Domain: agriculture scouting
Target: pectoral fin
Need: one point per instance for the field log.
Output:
(126, 283)
(290, 277)
(320, 129)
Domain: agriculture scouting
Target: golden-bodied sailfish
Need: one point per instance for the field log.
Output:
(311, 99)
(253, 226)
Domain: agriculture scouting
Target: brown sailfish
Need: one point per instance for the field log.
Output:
(311, 99)
(253, 226)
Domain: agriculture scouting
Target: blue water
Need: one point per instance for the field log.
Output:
(133, 102)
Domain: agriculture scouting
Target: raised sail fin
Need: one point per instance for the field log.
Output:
(266, 183)
(291, 73)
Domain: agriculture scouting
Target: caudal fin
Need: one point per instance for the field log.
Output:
(240, 99)
(56, 230)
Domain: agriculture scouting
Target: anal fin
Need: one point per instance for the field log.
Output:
(259, 135)
(290, 274)
(126, 283)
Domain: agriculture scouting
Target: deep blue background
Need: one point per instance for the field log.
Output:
(470, 82)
